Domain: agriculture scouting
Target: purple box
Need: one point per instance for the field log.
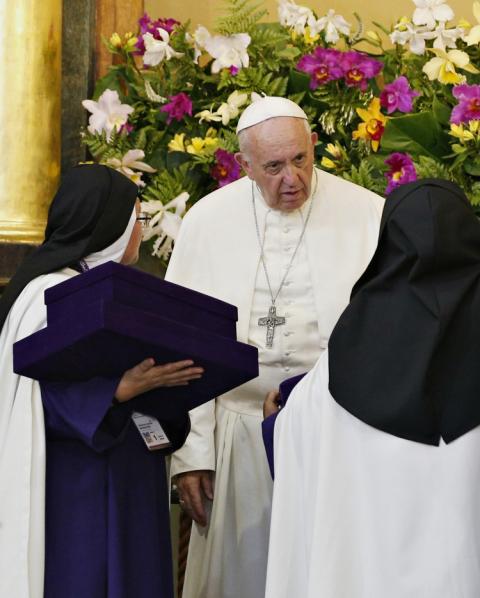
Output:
(105, 321)
(128, 286)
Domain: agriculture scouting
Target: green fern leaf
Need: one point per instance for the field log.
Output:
(241, 17)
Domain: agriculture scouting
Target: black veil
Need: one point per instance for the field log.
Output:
(90, 211)
(405, 354)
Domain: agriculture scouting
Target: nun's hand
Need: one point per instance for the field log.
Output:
(271, 404)
(146, 376)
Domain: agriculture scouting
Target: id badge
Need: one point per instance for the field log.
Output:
(151, 431)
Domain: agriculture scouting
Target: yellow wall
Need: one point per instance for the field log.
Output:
(205, 11)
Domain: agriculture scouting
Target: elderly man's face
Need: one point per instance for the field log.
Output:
(278, 155)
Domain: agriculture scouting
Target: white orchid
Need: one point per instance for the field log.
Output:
(200, 37)
(406, 33)
(294, 16)
(231, 108)
(156, 50)
(446, 38)
(473, 37)
(228, 51)
(165, 223)
(428, 12)
(332, 23)
(108, 114)
(129, 164)
(208, 116)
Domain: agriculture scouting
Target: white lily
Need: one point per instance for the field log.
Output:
(332, 23)
(231, 108)
(108, 113)
(294, 16)
(158, 50)
(446, 38)
(473, 36)
(406, 33)
(428, 12)
(129, 164)
(165, 223)
(228, 51)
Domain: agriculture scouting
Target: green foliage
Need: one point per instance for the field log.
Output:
(416, 134)
(428, 167)
(166, 185)
(354, 139)
(241, 17)
(364, 175)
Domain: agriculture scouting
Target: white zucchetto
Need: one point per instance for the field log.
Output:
(268, 107)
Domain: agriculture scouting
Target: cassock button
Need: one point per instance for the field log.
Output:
(287, 369)
(286, 229)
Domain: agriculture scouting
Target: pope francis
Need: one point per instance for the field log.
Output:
(285, 244)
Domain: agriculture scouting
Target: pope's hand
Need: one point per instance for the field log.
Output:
(195, 488)
(146, 376)
(271, 404)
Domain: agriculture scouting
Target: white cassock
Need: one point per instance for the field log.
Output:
(22, 451)
(218, 253)
(358, 513)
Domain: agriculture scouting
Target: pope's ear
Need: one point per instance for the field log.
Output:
(242, 160)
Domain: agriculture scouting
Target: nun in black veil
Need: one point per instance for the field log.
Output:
(377, 451)
(83, 505)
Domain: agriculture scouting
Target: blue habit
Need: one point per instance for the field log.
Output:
(107, 511)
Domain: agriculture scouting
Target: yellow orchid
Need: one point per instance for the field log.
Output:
(196, 146)
(130, 41)
(327, 163)
(442, 67)
(402, 24)
(334, 150)
(463, 134)
(473, 36)
(373, 124)
(207, 145)
(308, 38)
(177, 144)
(115, 40)
(474, 126)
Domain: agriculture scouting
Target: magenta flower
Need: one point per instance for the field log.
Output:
(398, 95)
(402, 170)
(178, 106)
(226, 170)
(358, 68)
(148, 26)
(126, 128)
(322, 66)
(468, 107)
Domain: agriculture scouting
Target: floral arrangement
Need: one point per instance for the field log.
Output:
(389, 105)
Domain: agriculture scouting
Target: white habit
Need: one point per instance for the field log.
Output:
(218, 253)
(358, 513)
(22, 451)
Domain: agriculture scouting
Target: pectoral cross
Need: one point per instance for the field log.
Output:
(271, 322)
